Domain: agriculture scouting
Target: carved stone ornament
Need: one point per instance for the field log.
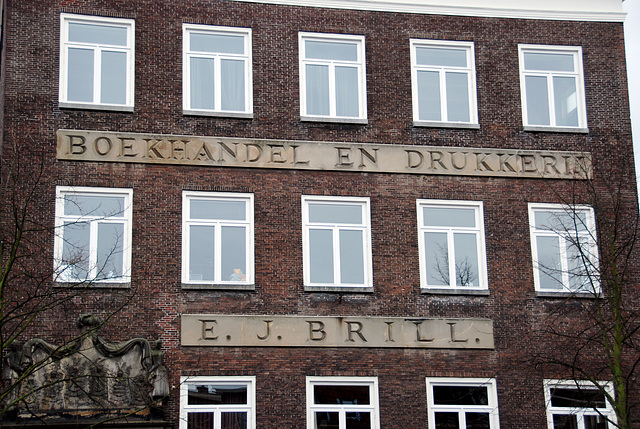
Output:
(89, 378)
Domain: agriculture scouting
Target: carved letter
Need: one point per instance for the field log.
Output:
(358, 330)
(550, 162)
(417, 163)
(505, 159)
(316, 327)
(178, 150)
(266, 336)
(364, 154)
(481, 162)
(419, 337)
(295, 157)
(390, 332)
(276, 154)
(207, 329)
(453, 160)
(343, 157)
(529, 164)
(126, 146)
(96, 146)
(258, 151)
(152, 148)
(452, 333)
(77, 147)
(224, 148)
(437, 157)
(205, 153)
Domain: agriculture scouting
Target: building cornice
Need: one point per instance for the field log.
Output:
(570, 10)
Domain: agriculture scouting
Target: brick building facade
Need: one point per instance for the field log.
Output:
(333, 215)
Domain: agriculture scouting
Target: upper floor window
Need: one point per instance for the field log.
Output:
(563, 242)
(96, 62)
(452, 245)
(552, 85)
(578, 405)
(217, 76)
(336, 242)
(462, 403)
(443, 77)
(217, 239)
(332, 77)
(217, 402)
(342, 402)
(93, 235)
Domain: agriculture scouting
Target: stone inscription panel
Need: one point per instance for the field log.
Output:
(302, 331)
(75, 145)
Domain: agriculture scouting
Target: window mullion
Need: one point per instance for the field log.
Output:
(552, 100)
(443, 94)
(337, 269)
(217, 82)
(93, 249)
(217, 249)
(453, 281)
(97, 74)
(333, 108)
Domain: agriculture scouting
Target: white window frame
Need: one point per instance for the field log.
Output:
(187, 196)
(362, 84)
(65, 44)
(579, 412)
(470, 70)
(62, 193)
(491, 408)
(578, 73)
(589, 236)
(364, 203)
(187, 54)
(483, 283)
(373, 408)
(249, 408)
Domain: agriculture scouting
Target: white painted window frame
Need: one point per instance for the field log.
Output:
(589, 236)
(65, 44)
(478, 231)
(187, 54)
(491, 408)
(373, 408)
(187, 196)
(362, 73)
(249, 408)
(579, 412)
(470, 70)
(62, 193)
(578, 73)
(364, 203)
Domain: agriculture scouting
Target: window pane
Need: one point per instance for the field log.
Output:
(466, 252)
(578, 260)
(449, 216)
(582, 398)
(351, 257)
(113, 88)
(93, 205)
(200, 420)
(566, 101)
(80, 75)
(437, 254)
(537, 100)
(447, 421)
(347, 100)
(359, 420)
(326, 420)
(565, 421)
(75, 250)
(549, 265)
(232, 85)
(341, 394)
(429, 96)
(457, 97)
(202, 83)
(217, 43)
(477, 420)
(236, 420)
(331, 50)
(561, 221)
(460, 395)
(335, 213)
(97, 34)
(218, 209)
(110, 250)
(215, 394)
(321, 255)
(548, 61)
(234, 253)
(445, 57)
(317, 89)
(595, 422)
(201, 253)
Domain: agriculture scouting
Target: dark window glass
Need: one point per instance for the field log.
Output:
(460, 395)
(358, 420)
(200, 420)
(582, 398)
(212, 394)
(477, 420)
(341, 395)
(565, 421)
(326, 420)
(447, 421)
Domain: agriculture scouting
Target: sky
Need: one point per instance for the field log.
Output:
(632, 41)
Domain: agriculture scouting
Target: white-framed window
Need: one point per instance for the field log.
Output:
(93, 235)
(452, 245)
(217, 238)
(563, 244)
(552, 86)
(579, 404)
(217, 402)
(332, 77)
(336, 241)
(342, 403)
(217, 70)
(443, 77)
(463, 403)
(96, 62)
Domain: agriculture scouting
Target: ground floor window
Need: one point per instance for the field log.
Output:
(578, 405)
(217, 403)
(342, 403)
(462, 403)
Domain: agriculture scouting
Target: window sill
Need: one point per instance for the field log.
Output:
(334, 120)
(568, 294)
(239, 115)
(463, 125)
(218, 286)
(106, 107)
(454, 291)
(542, 129)
(92, 285)
(339, 289)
